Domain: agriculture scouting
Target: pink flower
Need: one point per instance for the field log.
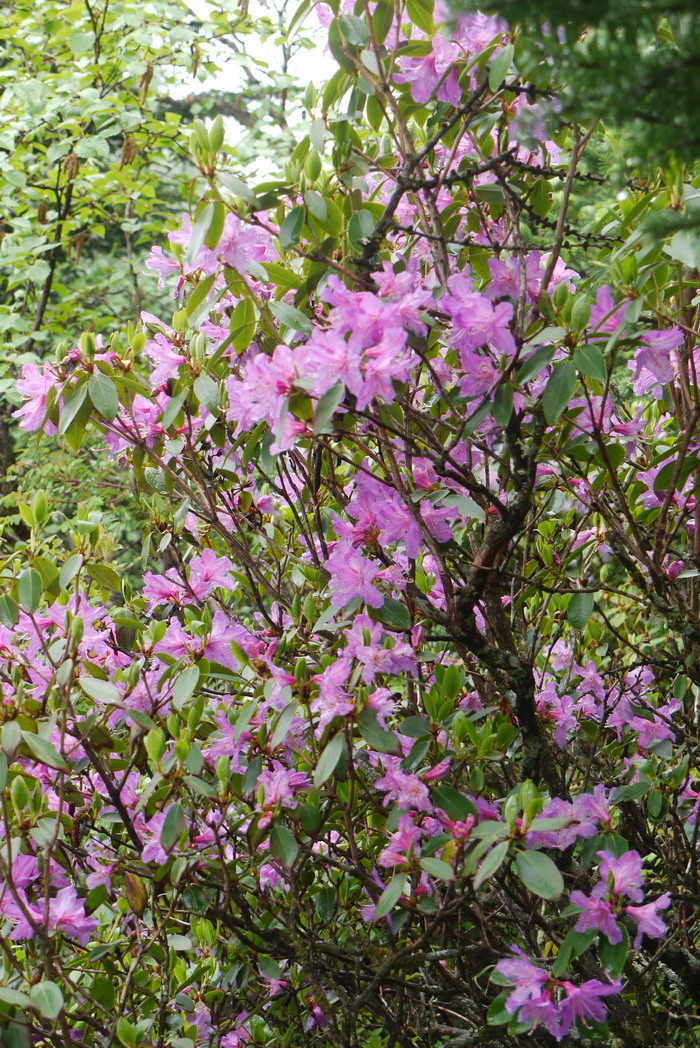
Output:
(241, 1035)
(66, 915)
(332, 700)
(407, 790)
(404, 843)
(35, 385)
(583, 1003)
(209, 571)
(160, 263)
(626, 874)
(162, 589)
(278, 786)
(605, 316)
(352, 576)
(597, 913)
(476, 321)
(647, 918)
(529, 980)
(653, 364)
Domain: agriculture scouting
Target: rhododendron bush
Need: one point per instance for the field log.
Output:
(396, 742)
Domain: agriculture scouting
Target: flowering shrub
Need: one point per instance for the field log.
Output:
(404, 713)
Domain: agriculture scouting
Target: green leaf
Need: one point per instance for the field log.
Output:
(290, 230)
(283, 845)
(502, 407)
(559, 391)
(354, 30)
(173, 825)
(421, 14)
(104, 576)
(216, 226)
(390, 896)
(392, 614)
(184, 686)
(30, 589)
(540, 874)
(242, 325)
(415, 727)
(497, 1014)
(281, 729)
(199, 232)
(498, 70)
(438, 868)
(325, 408)
(103, 394)
(74, 417)
(44, 751)
(47, 999)
(591, 362)
(579, 609)
(534, 364)
(328, 761)
(291, 317)
(360, 229)
(455, 805)
(375, 736)
(491, 864)
(15, 998)
(572, 947)
(317, 206)
(198, 295)
(9, 611)
(382, 20)
(70, 569)
(101, 690)
(613, 955)
(206, 391)
(126, 1032)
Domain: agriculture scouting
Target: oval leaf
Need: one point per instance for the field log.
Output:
(538, 873)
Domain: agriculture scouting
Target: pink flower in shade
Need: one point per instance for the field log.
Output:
(647, 918)
(626, 873)
(583, 1003)
(529, 980)
(407, 790)
(461, 831)
(241, 1035)
(352, 576)
(153, 850)
(505, 277)
(605, 315)
(653, 364)
(382, 701)
(596, 913)
(426, 74)
(279, 786)
(402, 843)
(436, 518)
(438, 771)
(332, 700)
(476, 321)
(480, 375)
(208, 572)
(35, 384)
(66, 915)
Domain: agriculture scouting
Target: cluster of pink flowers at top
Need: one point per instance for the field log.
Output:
(363, 346)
